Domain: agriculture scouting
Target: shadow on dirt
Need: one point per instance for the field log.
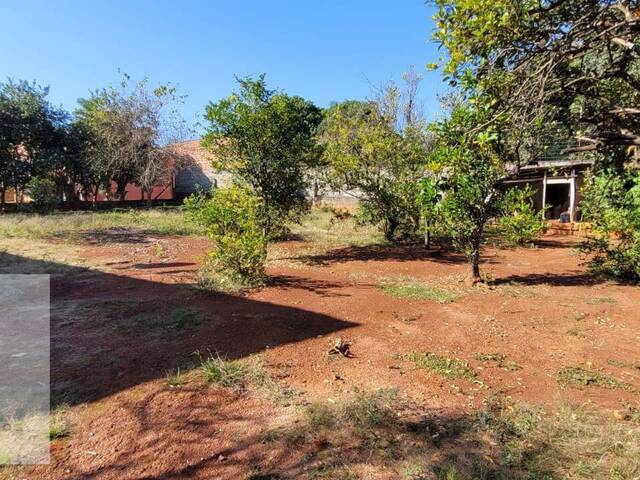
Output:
(95, 354)
(399, 253)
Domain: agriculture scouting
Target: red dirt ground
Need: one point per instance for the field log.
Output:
(542, 311)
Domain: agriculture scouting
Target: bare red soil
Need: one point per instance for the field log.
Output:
(541, 310)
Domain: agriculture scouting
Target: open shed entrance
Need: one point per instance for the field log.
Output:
(558, 199)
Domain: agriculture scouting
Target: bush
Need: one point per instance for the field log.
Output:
(520, 223)
(232, 219)
(42, 191)
(611, 202)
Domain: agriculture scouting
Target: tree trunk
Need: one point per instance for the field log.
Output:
(149, 199)
(390, 228)
(427, 239)
(474, 258)
(2, 199)
(475, 271)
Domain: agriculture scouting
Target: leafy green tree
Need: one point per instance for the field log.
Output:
(570, 64)
(377, 150)
(469, 154)
(611, 202)
(29, 134)
(266, 139)
(232, 217)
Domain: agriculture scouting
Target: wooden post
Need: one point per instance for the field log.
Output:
(544, 195)
(572, 196)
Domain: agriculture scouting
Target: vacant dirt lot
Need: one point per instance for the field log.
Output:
(130, 330)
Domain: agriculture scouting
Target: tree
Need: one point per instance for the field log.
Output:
(29, 134)
(469, 155)
(126, 130)
(570, 64)
(266, 139)
(378, 150)
(611, 203)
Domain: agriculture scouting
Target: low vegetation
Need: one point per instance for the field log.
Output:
(164, 321)
(98, 225)
(416, 290)
(451, 368)
(499, 359)
(580, 378)
(232, 220)
(519, 223)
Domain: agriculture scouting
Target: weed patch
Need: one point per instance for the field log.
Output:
(403, 288)
(451, 368)
(580, 378)
(499, 359)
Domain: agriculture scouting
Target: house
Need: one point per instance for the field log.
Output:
(194, 171)
(557, 184)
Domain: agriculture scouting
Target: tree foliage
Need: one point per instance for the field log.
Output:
(232, 218)
(266, 139)
(30, 134)
(611, 202)
(378, 150)
(126, 130)
(469, 155)
(572, 65)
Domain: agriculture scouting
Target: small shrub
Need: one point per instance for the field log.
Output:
(42, 191)
(232, 219)
(446, 367)
(519, 222)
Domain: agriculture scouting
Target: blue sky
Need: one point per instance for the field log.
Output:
(323, 50)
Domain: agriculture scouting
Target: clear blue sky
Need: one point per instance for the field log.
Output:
(325, 51)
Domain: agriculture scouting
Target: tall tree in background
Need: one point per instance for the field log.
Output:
(266, 139)
(29, 134)
(378, 149)
(126, 131)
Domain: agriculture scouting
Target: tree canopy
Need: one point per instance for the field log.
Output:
(570, 65)
(266, 139)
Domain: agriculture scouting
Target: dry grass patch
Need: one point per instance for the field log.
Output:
(579, 377)
(451, 368)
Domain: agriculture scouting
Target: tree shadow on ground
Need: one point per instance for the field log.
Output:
(214, 438)
(399, 253)
(319, 287)
(580, 279)
(112, 332)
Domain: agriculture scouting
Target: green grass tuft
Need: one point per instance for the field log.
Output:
(225, 373)
(447, 367)
(417, 291)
